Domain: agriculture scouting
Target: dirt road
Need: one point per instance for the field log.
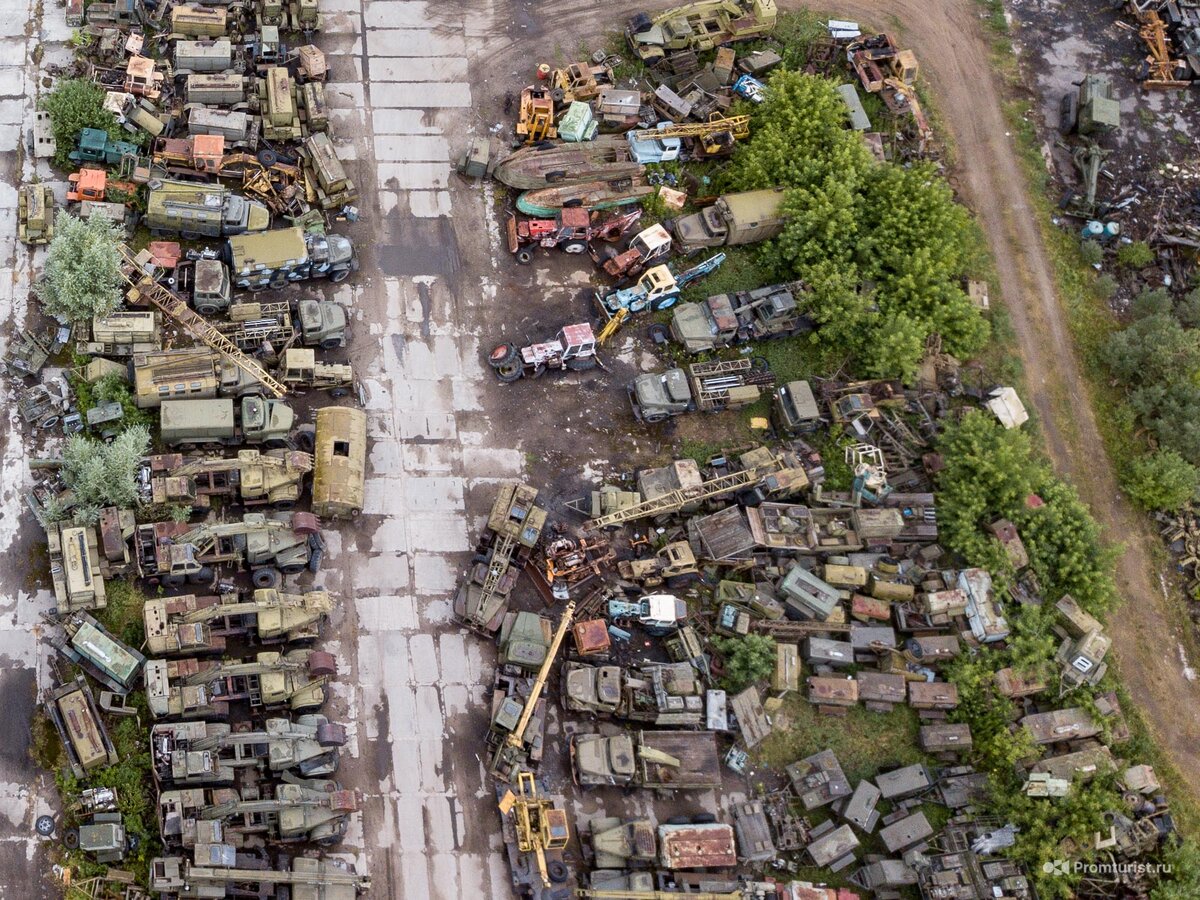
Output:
(948, 38)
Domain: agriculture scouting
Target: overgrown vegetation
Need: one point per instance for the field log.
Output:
(884, 248)
(747, 659)
(73, 105)
(82, 276)
(100, 475)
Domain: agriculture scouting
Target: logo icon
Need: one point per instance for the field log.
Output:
(1058, 867)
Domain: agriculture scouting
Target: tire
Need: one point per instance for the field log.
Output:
(573, 203)
(293, 569)
(574, 247)
(339, 276)
(664, 302)
(306, 438)
(71, 838)
(264, 578)
(558, 95)
(44, 825)
(581, 363)
(654, 418)
(679, 820)
(267, 157)
(173, 581)
(190, 235)
(509, 373)
(202, 577)
(208, 310)
(524, 257)
(285, 505)
(658, 333)
(49, 421)
(278, 284)
(330, 344)
(503, 355)
(557, 871)
(704, 819)
(257, 288)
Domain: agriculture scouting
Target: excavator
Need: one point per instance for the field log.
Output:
(194, 689)
(193, 754)
(509, 752)
(272, 477)
(533, 824)
(188, 624)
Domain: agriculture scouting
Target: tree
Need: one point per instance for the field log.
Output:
(1161, 480)
(1151, 303)
(748, 659)
(1092, 252)
(102, 475)
(73, 105)
(82, 277)
(1183, 880)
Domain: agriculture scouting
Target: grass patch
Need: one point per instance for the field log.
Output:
(123, 615)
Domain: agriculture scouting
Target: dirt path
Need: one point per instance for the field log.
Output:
(947, 36)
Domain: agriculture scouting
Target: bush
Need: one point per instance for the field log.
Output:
(1161, 480)
(1092, 252)
(76, 104)
(102, 475)
(748, 659)
(1136, 255)
(1105, 286)
(82, 277)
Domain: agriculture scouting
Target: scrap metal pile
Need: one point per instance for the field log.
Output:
(237, 159)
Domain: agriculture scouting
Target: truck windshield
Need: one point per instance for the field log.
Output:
(711, 221)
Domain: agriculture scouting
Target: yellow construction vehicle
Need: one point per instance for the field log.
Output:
(899, 96)
(540, 828)
(738, 126)
(535, 119)
(509, 754)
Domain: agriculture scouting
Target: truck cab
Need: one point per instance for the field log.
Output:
(795, 407)
(322, 323)
(656, 396)
(211, 292)
(103, 837)
(266, 421)
(703, 229)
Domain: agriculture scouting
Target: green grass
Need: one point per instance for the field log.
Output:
(123, 615)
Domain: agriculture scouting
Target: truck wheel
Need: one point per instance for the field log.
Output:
(49, 421)
(293, 569)
(503, 355)
(704, 819)
(173, 581)
(306, 438)
(557, 870)
(44, 825)
(255, 288)
(653, 418)
(330, 344)
(190, 235)
(204, 576)
(665, 302)
(208, 309)
(581, 363)
(71, 838)
(267, 157)
(574, 247)
(524, 257)
(338, 393)
(338, 276)
(264, 578)
(679, 820)
(285, 505)
(558, 95)
(509, 373)
(278, 283)
(658, 333)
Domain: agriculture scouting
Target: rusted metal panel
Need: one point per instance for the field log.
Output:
(932, 695)
(880, 687)
(696, 846)
(832, 691)
(955, 738)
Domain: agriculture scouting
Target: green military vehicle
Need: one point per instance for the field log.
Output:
(256, 420)
(203, 210)
(197, 22)
(35, 214)
(326, 171)
(279, 106)
(193, 57)
(216, 872)
(795, 408)
(709, 387)
(272, 259)
(698, 26)
(103, 836)
(339, 477)
(1091, 109)
(193, 373)
(188, 625)
(96, 146)
(206, 283)
(75, 567)
(725, 320)
(322, 324)
(733, 219)
(657, 760)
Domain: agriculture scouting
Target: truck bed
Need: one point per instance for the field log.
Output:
(700, 761)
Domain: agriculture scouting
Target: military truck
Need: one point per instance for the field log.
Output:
(725, 320)
(327, 173)
(708, 387)
(35, 214)
(89, 645)
(794, 408)
(275, 258)
(696, 842)
(733, 219)
(75, 568)
(252, 478)
(205, 56)
(195, 754)
(199, 210)
(96, 146)
(299, 369)
(201, 422)
(219, 869)
(1084, 644)
(198, 22)
(102, 835)
(223, 90)
(661, 693)
(124, 332)
(240, 129)
(199, 689)
(205, 283)
(265, 327)
(72, 709)
(172, 553)
(279, 106)
(299, 809)
(316, 108)
(674, 561)
(189, 624)
(192, 373)
(658, 760)
(339, 481)
(514, 526)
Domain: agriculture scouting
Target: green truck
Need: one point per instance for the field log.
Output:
(202, 210)
(256, 420)
(271, 259)
(733, 219)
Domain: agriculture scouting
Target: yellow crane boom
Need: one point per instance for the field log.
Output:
(143, 286)
(517, 737)
(738, 126)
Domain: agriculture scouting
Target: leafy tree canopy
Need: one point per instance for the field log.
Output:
(82, 277)
(76, 104)
(101, 474)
